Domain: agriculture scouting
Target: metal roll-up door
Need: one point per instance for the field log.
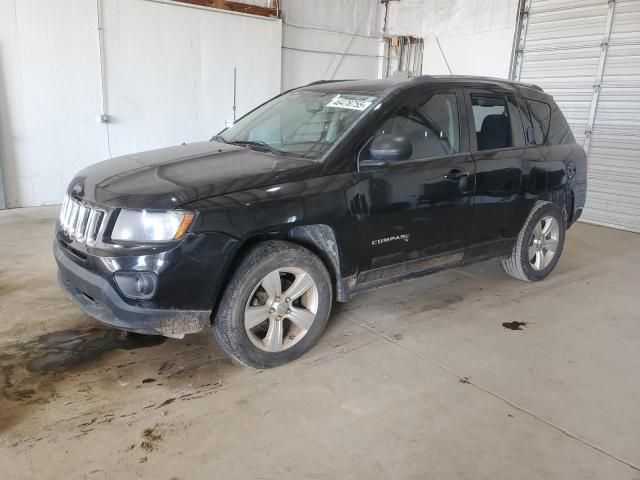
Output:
(587, 55)
(614, 154)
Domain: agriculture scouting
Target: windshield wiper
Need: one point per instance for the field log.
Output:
(218, 138)
(258, 145)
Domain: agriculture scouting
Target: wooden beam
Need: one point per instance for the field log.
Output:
(235, 7)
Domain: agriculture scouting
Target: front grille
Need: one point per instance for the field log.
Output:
(80, 221)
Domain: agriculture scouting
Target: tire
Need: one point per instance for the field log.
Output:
(252, 293)
(528, 260)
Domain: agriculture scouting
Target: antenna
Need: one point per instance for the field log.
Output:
(444, 57)
(234, 94)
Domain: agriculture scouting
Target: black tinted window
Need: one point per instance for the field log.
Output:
(432, 126)
(559, 130)
(540, 118)
(491, 118)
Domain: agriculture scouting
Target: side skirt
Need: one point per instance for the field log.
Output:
(391, 275)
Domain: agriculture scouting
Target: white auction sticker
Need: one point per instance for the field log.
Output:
(351, 102)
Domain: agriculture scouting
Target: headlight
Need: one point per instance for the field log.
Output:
(151, 225)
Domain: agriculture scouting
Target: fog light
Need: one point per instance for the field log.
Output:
(137, 284)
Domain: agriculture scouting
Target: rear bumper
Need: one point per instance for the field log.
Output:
(576, 216)
(96, 296)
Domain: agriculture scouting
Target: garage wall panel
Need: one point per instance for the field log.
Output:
(168, 71)
(329, 39)
(562, 50)
(310, 55)
(468, 38)
(614, 156)
(49, 97)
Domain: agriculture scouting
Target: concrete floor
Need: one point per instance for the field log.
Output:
(419, 380)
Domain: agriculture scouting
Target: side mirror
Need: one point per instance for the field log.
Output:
(388, 148)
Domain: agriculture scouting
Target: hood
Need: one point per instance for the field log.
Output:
(171, 177)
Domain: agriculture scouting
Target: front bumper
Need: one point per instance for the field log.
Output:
(97, 297)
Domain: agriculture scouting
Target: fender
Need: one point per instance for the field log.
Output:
(322, 240)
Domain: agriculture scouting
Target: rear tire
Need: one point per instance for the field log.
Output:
(539, 244)
(275, 306)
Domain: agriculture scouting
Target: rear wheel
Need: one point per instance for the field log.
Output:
(275, 306)
(539, 244)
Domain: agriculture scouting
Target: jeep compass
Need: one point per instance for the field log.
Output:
(321, 193)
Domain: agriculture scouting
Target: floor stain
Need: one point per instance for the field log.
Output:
(28, 369)
(76, 373)
(64, 350)
(515, 325)
(168, 401)
(150, 439)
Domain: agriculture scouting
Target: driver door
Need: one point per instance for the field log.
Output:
(417, 213)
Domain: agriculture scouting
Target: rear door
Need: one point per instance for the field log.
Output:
(510, 173)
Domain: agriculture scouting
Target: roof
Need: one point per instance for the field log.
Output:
(482, 80)
(353, 86)
(376, 87)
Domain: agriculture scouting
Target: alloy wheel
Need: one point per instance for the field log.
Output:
(543, 243)
(281, 309)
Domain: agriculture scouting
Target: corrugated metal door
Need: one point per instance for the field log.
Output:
(587, 55)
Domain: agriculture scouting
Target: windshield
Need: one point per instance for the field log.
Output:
(301, 123)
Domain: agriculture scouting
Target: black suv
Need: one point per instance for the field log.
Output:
(320, 193)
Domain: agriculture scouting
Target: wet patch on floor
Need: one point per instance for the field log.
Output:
(93, 377)
(60, 351)
(30, 369)
(515, 325)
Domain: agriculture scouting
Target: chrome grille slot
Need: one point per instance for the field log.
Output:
(95, 222)
(81, 224)
(80, 221)
(63, 210)
(73, 218)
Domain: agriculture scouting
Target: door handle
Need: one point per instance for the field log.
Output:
(456, 174)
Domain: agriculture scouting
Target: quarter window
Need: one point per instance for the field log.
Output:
(432, 126)
(491, 118)
(540, 118)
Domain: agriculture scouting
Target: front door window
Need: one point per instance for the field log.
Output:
(432, 126)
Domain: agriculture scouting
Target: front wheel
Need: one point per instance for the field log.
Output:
(276, 305)
(539, 244)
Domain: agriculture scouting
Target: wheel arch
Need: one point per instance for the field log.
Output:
(563, 198)
(318, 238)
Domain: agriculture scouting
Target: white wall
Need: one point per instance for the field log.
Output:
(49, 97)
(170, 71)
(168, 79)
(329, 39)
(476, 36)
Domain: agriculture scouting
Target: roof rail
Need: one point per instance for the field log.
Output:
(528, 85)
(321, 82)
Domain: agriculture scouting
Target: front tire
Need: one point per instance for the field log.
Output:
(275, 306)
(539, 244)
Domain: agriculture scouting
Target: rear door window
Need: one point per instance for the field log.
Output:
(540, 118)
(491, 120)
